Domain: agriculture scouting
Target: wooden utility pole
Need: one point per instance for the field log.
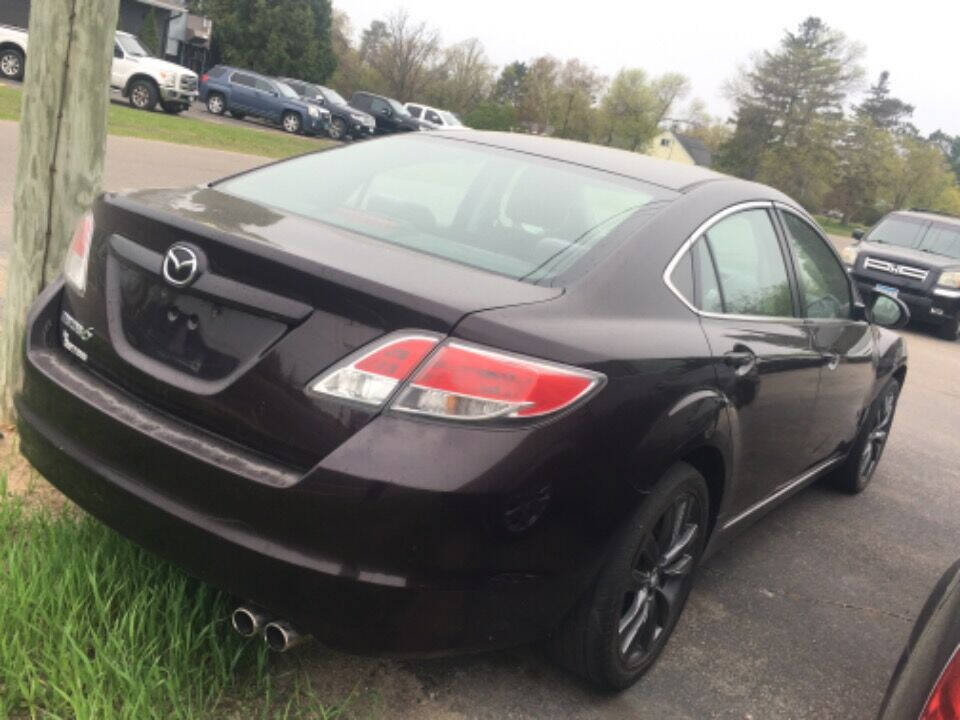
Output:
(63, 132)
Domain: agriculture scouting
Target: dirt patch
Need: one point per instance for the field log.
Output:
(22, 480)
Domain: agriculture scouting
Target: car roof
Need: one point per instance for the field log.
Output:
(928, 215)
(666, 173)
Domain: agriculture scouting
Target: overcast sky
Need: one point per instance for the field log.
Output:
(916, 41)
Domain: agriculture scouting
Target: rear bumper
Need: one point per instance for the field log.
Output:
(364, 565)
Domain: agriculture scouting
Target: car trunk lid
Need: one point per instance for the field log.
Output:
(276, 300)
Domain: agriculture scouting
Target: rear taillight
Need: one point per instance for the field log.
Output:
(204, 78)
(944, 701)
(371, 376)
(458, 381)
(466, 382)
(78, 254)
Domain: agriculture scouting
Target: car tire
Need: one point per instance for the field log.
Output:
(237, 115)
(292, 123)
(11, 64)
(172, 108)
(618, 628)
(857, 470)
(337, 129)
(143, 95)
(949, 330)
(216, 104)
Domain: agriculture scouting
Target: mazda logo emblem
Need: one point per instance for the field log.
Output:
(181, 265)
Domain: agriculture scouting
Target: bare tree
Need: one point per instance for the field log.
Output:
(404, 56)
(467, 76)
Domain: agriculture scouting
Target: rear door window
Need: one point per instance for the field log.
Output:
(378, 106)
(414, 110)
(431, 116)
(750, 265)
(242, 79)
(264, 86)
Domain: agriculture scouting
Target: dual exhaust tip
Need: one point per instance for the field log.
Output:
(279, 635)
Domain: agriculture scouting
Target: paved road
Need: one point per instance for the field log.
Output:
(131, 163)
(802, 617)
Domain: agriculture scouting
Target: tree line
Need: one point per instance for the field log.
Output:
(793, 124)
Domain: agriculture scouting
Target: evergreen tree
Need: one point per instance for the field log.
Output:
(887, 113)
(150, 35)
(789, 112)
(275, 37)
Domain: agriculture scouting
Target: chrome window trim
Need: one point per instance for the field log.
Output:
(696, 235)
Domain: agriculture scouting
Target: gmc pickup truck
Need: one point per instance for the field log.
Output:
(142, 79)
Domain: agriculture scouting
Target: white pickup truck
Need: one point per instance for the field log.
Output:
(142, 79)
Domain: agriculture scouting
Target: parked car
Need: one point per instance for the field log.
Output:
(914, 255)
(345, 121)
(452, 391)
(142, 79)
(242, 92)
(440, 119)
(390, 115)
(926, 682)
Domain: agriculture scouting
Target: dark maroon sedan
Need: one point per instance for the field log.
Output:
(437, 393)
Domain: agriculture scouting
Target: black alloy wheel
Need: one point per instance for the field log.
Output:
(858, 469)
(620, 626)
(658, 582)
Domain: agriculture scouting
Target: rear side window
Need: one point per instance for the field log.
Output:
(431, 116)
(520, 215)
(695, 277)
(943, 240)
(707, 292)
(823, 282)
(414, 110)
(894, 230)
(750, 266)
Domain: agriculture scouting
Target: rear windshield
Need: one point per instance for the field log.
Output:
(942, 240)
(894, 230)
(507, 212)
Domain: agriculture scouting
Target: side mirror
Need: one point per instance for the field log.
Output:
(386, 112)
(889, 311)
(857, 234)
(320, 100)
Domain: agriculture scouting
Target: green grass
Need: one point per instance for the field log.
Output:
(835, 227)
(186, 131)
(93, 627)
